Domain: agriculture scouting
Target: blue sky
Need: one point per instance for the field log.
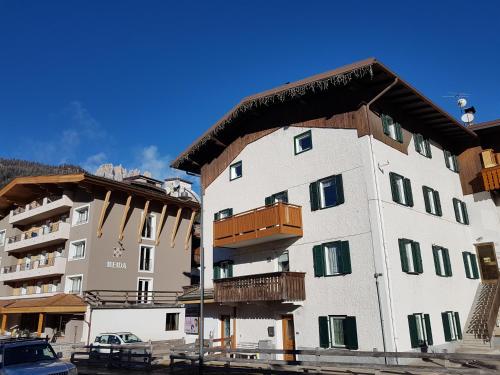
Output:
(135, 82)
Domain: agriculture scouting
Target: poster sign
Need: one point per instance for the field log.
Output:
(191, 325)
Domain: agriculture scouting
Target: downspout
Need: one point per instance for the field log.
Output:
(381, 229)
(201, 323)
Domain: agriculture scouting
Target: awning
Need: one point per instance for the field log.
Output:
(60, 303)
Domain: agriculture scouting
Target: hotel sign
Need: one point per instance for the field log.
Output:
(116, 265)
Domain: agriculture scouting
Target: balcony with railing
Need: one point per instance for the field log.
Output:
(40, 209)
(45, 235)
(32, 291)
(267, 223)
(277, 286)
(491, 170)
(40, 267)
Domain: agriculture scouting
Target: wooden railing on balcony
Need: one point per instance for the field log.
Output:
(277, 286)
(491, 178)
(275, 221)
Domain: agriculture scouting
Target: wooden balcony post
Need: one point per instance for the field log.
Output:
(103, 213)
(4, 323)
(145, 212)
(124, 218)
(40, 324)
(161, 224)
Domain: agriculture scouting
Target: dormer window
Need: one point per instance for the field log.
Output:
(392, 129)
(235, 171)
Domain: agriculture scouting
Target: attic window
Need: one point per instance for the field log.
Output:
(303, 142)
(235, 171)
(392, 129)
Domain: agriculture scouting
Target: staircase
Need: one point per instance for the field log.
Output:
(482, 317)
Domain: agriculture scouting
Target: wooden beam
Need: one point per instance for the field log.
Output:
(4, 323)
(160, 224)
(124, 218)
(218, 142)
(103, 213)
(40, 324)
(176, 227)
(189, 230)
(143, 220)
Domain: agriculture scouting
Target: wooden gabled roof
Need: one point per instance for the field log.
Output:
(59, 303)
(348, 87)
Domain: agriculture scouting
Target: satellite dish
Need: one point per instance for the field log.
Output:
(467, 118)
(462, 102)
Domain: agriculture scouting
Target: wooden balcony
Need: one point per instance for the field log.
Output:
(491, 178)
(277, 286)
(267, 223)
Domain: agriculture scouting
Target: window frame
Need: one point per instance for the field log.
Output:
(436, 201)
(69, 278)
(225, 210)
(422, 145)
(343, 259)
(423, 323)
(442, 261)
(72, 250)
(3, 232)
(315, 192)
(388, 123)
(151, 257)
(413, 253)
(270, 200)
(153, 226)
(234, 166)
(470, 265)
(74, 220)
(406, 189)
(297, 138)
(451, 161)
(176, 321)
(461, 213)
(280, 260)
(148, 292)
(331, 331)
(227, 268)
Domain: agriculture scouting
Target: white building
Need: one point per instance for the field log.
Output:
(334, 216)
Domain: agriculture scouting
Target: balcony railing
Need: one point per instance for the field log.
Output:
(40, 209)
(45, 235)
(277, 286)
(36, 290)
(267, 223)
(34, 269)
(491, 178)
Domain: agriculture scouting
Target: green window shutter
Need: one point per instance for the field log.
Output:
(428, 151)
(459, 327)
(447, 155)
(447, 264)
(412, 325)
(339, 186)
(456, 202)
(319, 261)
(394, 188)
(455, 164)
(475, 270)
(418, 142)
(386, 121)
(345, 257)
(408, 193)
(465, 256)
(417, 257)
(216, 271)
(437, 202)
(216, 216)
(402, 253)
(428, 329)
(268, 200)
(314, 195)
(466, 215)
(350, 333)
(399, 132)
(446, 326)
(435, 253)
(324, 332)
(426, 190)
(230, 269)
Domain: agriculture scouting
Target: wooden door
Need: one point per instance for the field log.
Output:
(225, 321)
(487, 262)
(288, 336)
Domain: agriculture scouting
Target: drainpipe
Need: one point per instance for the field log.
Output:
(381, 230)
(201, 323)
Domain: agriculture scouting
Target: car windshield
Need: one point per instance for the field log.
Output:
(28, 353)
(129, 338)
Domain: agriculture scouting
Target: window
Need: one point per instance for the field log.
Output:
(392, 129)
(451, 161)
(283, 262)
(2, 237)
(172, 322)
(81, 215)
(77, 249)
(222, 214)
(432, 201)
(53, 287)
(282, 196)
(223, 269)
(327, 192)
(470, 264)
(422, 145)
(401, 189)
(420, 330)
(146, 258)
(303, 142)
(74, 284)
(331, 259)
(148, 230)
(338, 331)
(460, 211)
(451, 326)
(235, 171)
(442, 261)
(411, 259)
(144, 290)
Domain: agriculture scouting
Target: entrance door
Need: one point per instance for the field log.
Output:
(288, 336)
(487, 262)
(225, 330)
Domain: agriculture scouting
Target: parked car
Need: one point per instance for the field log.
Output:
(124, 339)
(31, 357)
